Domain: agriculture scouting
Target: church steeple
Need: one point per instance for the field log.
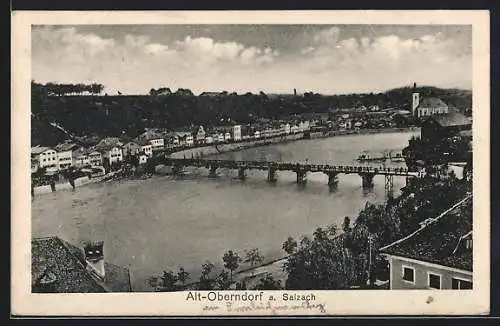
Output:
(415, 99)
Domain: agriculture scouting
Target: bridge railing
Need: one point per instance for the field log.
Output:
(292, 166)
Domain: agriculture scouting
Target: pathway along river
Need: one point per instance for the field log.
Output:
(164, 223)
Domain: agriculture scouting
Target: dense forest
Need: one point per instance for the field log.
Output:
(82, 110)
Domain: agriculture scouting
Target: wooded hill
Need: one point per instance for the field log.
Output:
(109, 115)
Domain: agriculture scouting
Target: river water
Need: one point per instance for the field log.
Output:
(165, 222)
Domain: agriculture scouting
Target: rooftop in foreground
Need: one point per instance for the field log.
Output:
(440, 240)
(63, 265)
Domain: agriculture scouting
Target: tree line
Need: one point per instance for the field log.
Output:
(53, 89)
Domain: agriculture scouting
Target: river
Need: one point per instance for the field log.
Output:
(165, 222)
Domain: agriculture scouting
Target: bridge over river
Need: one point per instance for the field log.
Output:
(366, 173)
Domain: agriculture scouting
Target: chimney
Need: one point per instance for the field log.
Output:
(94, 257)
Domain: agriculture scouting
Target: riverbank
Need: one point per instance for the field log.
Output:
(201, 151)
(79, 182)
(334, 133)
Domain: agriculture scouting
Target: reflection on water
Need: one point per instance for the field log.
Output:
(166, 222)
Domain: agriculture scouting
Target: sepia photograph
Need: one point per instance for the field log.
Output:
(231, 163)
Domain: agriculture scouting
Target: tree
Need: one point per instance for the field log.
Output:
(222, 281)
(290, 245)
(268, 283)
(168, 280)
(182, 276)
(253, 257)
(205, 282)
(317, 264)
(346, 226)
(231, 262)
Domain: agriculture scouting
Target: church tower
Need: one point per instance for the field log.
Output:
(415, 99)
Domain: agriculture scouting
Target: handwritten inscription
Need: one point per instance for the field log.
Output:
(274, 308)
(247, 302)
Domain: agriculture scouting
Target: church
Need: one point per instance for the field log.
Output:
(427, 106)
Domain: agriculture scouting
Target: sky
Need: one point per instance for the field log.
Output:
(326, 59)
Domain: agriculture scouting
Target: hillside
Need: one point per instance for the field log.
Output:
(98, 115)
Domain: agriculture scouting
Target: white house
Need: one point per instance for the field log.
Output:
(95, 158)
(227, 136)
(294, 129)
(145, 147)
(112, 153)
(189, 140)
(65, 154)
(220, 137)
(82, 158)
(209, 139)
(46, 157)
(256, 134)
(131, 148)
(143, 158)
(287, 128)
(200, 135)
(237, 132)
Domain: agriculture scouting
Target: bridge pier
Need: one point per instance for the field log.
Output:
(241, 173)
(367, 179)
(389, 185)
(271, 174)
(332, 178)
(301, 176)
(213, 171)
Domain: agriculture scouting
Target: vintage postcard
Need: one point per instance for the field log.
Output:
(197, 163)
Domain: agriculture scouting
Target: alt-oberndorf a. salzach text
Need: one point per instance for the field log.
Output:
(247, 296)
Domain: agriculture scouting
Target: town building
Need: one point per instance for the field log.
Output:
(220, 137)
(152, 136)
(436, 256)
(287, 128)
(209, 139)
(227, 136)
(181, 138)
(131, 148)
(95, 158)
(45, 157)
(81, 158)
(145, 147)
(237, 133)
(256, 134)
(189, 140)
(58, 266)
(446, 127)
(200, 135)
(143, 158)
(65, 154)
(427, 106)
(111, 154)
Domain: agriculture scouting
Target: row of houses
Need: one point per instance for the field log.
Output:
(115, 149)
(110, 150)
(233, 133)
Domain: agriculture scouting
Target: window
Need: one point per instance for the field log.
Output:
(459, 284)
(409, 274)
(434, 281)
